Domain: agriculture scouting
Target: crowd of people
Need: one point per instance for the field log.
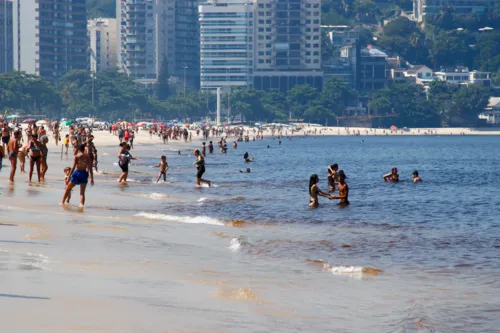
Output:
(85, 159)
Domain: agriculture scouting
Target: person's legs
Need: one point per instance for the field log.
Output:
(13, 164)
(32, 164)
(82, 194)
(37, 162)
(67, 193)
(22, 160)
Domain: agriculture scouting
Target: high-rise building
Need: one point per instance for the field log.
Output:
(422, 8)
(102, 37)
(50, 36)
(151, 30)
(287, 44)
(137, 26)
(226, 44)
(6, 48)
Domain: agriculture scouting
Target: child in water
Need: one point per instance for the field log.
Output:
(67, 177)
(163, 165)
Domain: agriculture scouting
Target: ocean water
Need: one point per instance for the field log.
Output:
(249, 255)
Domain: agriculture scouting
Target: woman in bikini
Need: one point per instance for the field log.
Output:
(80, 172)
(392, 177)
(35, 156)
(200, 165)
(45, 151)
(314, 191)
(124, 159)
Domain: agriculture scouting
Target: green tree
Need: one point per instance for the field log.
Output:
(301, 96)
(28, 93)
(468, 102)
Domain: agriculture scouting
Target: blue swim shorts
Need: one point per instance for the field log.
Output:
(79, 177)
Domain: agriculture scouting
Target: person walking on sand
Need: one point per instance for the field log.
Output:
(124, 158)
(200, 165)
(163, 165)
(13, 151)
(35, 156)
(314, 192)
(80, 172)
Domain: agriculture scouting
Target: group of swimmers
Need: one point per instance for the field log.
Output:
(338, 177)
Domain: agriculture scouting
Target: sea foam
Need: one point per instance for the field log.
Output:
(181, 219)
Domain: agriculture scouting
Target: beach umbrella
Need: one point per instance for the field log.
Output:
(187, 125)
(41, 122)
(29, 120)
(141, 123)
(393, 128)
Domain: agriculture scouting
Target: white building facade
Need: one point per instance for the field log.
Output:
(102, 37)
(137, 42)
(226, 44)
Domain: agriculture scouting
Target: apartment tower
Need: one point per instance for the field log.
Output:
(226, 44)
(288, 44)
(6, 48)
(151, 30)
(50, 36)
(102, 37)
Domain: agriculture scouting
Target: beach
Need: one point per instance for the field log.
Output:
(248, 254)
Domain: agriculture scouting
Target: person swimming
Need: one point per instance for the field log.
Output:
(247, 158)
(416, 177)
(392, 177)
(247, 171)
(314, 191)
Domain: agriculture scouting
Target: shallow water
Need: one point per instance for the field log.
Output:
(248, 255)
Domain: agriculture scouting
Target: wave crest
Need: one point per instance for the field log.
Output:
(181, 219)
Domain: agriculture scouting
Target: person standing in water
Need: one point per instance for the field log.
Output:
(82, 168)
(392, 177)
(200, 165)
(211, 147)
(35, 156)
(314, 192)
(124, 159)
(343, 189)
(163, 165)
(13, 151)
(332, 176)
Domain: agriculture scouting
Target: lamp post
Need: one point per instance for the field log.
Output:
(228, 96)
(92, 76)
(185, 69)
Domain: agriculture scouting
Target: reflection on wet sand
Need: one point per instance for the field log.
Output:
(109, 227)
